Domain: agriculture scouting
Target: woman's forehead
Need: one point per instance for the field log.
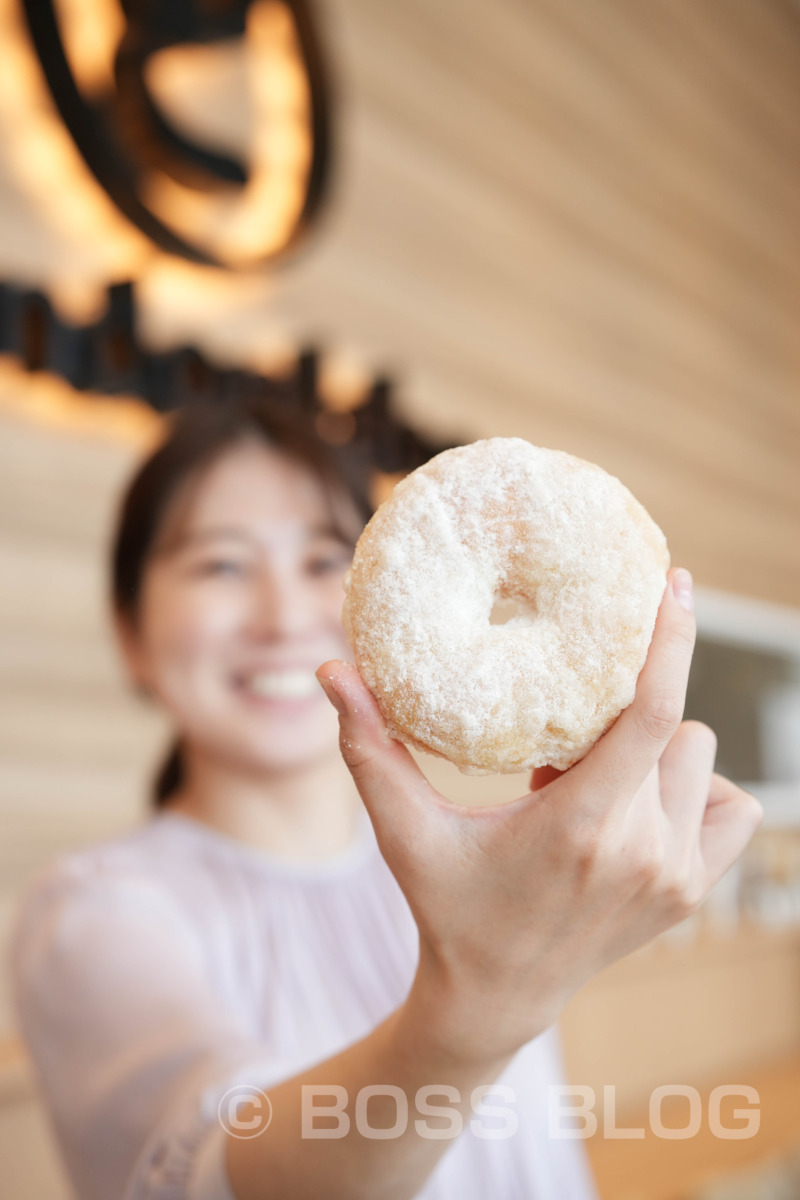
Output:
(259, 493)
(273, 535)
(255, 478)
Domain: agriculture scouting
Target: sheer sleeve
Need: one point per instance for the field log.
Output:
(133, 1046)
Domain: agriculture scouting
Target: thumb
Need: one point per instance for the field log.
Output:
(395, 792)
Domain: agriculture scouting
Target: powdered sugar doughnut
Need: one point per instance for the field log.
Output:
(493, 528)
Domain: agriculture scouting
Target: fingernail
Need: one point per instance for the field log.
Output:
(682, 589)
(332, 694)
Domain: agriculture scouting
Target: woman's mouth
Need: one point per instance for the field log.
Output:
(294, 683)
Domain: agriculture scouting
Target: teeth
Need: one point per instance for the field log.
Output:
(283, 685)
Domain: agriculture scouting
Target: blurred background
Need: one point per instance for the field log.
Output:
(576, 221)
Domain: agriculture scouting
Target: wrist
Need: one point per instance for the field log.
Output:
(453, 1026)
(445, 1052)
(471, 1019)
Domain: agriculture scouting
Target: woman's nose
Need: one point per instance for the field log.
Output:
(280, 606)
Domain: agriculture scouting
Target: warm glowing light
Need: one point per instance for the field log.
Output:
(91, 30)
(77, 301)
(383, 484)
(344, 380)
(51, 401)
(47, 164)
(220, 114)
(248, 96)
(180, 302)
(239, 225)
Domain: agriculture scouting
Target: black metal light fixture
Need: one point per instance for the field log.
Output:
(107, 358)
(205, 203)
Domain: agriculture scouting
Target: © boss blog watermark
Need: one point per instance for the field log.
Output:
(246, 1112)
(562, 1107)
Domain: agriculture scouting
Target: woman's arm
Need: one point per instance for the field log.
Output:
(413, 1048)
(517, 907)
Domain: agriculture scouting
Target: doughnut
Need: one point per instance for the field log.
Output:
(500, 605)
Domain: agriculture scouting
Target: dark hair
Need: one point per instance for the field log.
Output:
(197, 436)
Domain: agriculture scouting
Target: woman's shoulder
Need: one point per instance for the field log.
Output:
(173, 859)
(137, 864)
(83, 909)
(127, 852)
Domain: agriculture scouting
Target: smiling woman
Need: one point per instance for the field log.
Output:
(317, 947)
(228, 561)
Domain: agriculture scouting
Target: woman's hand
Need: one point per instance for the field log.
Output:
(520, 904)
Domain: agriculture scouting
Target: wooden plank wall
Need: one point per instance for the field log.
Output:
(581, 223)
(75, 744)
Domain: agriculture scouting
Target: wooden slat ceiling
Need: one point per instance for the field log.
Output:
(581, 223)
(575, 222)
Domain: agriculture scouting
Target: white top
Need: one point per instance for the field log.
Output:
(154, 971)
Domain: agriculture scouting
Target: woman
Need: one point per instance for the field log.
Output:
(298, 980)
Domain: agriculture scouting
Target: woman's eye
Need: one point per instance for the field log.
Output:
(222, 566)
(324, 564)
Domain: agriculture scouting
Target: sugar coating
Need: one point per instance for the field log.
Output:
(501, 521)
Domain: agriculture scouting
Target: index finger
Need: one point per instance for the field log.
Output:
(618, 764)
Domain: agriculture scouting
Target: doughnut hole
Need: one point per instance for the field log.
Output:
(512, 610)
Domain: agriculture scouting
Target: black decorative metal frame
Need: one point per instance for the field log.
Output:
(122, 135)
(107, 357)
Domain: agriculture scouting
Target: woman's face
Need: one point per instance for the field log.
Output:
(241, 603)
